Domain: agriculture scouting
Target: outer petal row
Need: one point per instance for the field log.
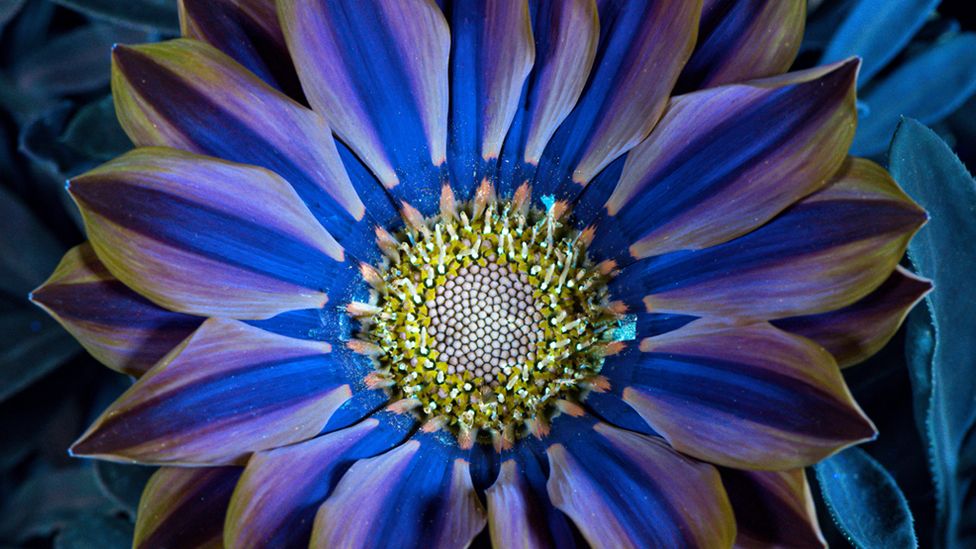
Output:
(187, 95)
(228, 390)
(826, 252)
(751, 397)
(207, 237)
(119, 327)
(724, 161)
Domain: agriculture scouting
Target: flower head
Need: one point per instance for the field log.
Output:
(403, 272)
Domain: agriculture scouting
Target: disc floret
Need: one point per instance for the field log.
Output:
(487, 319)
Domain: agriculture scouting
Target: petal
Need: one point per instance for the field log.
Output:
(567, 37)
(119, 327)
(246, 30)
(207, 237)
(726, 160)
(773, 509)
(184, 507)
(644, 44)
(492, 54)
(751, 397)
(826, 252)
(519, 511)
(624, 489)
(377, 70)
(744, 39)
(856, 332)
(187, 95)
(277, 497)
(420, 495)
(228, 390)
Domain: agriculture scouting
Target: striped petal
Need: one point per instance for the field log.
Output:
(492, 54)
(188, 95)
(184, 507)
(519, 511)
(624, 489)
(726, 160)
(751, 397)
(744, 39)
(826, 252)
(207, 237)
(246, 30)
(119, 327)
(643, 46)
(420, 494)
(230, 389)
(773, 509)
(858, 331)
(566, 38)
(378, 71)
(277, 497)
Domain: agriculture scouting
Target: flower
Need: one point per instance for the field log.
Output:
(571, 271)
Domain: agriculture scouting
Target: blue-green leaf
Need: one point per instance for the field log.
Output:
(876, 30)
(75, 62)
(50, 500)
(31, 346)
(123, 483)
(28, 252)
(95, 132)
(93, 531)
(945, 251)
(865, 502)
(928, 87)
(157, 15)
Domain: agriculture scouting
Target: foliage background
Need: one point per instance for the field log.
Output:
(57, 120)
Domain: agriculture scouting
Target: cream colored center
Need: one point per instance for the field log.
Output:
(484, 321)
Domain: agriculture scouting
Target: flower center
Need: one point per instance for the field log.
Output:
(487, 320)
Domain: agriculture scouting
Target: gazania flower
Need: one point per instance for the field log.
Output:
(397, 273)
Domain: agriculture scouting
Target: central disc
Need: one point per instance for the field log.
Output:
(487, 320)
(483, 321)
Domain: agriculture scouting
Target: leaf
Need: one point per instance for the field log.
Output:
(928, 87)
(944, 251)
(49, 500)
(864, 501)
(876, 30)
(74, 62)
(28, 252)
(123, 483)
(31, 346)
(140, 14)
(8, 9)
(96, 532)
(95, 131)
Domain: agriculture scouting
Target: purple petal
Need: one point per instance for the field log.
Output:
(228, 390)
(826, 252)
(751, 396)
(572, 30)
(119, 327)
(246, 30)
(281, 489)
(492, 53)
(377, 70)
(207, 237)
(744, 39)
(726, 160)
(420, 494)
(644, 44)
(184, 507)
(624, 489)
(856, 332)
(773, 509)
(187, 95)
